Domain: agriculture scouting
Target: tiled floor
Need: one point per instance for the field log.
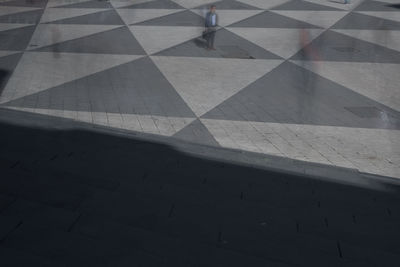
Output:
(314, 80)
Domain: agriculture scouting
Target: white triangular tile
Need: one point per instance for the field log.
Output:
(132, 16)
(8, 10)
(11, 26)
(156, 38)
(264, 4)
(323, 19)
(48, 34)
(206, 82)
(56, 3)
(193, 3)
(38, 71)
(283, 42)
(124, 3)
(389, 39)
(53, 14)
(227, 17)
(339, 4)
(390, 15)
(377, 81)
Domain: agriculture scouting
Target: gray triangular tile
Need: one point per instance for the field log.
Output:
(109, 17)
(4, 53)
(377, 81)
(16, 39)
(365, 22)
(7, 66)
(57, 14)
(184, 18)
(12, 26)
(291, 94)
(303, 5)
(137, 87)
(39, 71)
(228, 4)
(389, 39)
(24, 3)
(29, 17)
(228, 45)
(117, 41)
(377, 6)
(89, 4)
(269, 19)
(333, 46)
(198, 133)
(8, 10)
(391, 15)
(156, 4)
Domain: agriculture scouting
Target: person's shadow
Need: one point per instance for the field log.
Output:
(394, 6)
(201, 43)
(4, 75)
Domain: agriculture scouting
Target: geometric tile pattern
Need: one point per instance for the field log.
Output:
(312, 80)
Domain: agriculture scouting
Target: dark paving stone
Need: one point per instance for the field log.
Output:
(200, 133)
(12, 258)
(291, 94)
(132, 88)
(16, 39)
(172, 208)
(228, 45)
(89, 4)
(228, 4)
(272, 20)
(175, 252)
(332, 46)
(184, 18)
(375, 257)
(148, 214)
(376, 6)
(25, 3)
(73, 249)
(7, 225)
(29, 17)
(156, 4)
(12, 186)
(365, 22)
(5, 201)
(117, 41)
(303, 5)
(39, 215)
(109, 17)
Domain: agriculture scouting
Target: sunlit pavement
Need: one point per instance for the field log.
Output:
(310, 80)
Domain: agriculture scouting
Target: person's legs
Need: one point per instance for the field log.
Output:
(207, 38)
(212, 38)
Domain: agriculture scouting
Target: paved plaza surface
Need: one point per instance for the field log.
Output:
(311, 80)
(124, 142)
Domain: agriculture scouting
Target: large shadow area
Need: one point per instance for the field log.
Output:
(88, 198)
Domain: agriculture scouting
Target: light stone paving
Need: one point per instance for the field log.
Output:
(372, 150)
(312, 80)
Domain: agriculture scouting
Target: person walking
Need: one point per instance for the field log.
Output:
(211, 27)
